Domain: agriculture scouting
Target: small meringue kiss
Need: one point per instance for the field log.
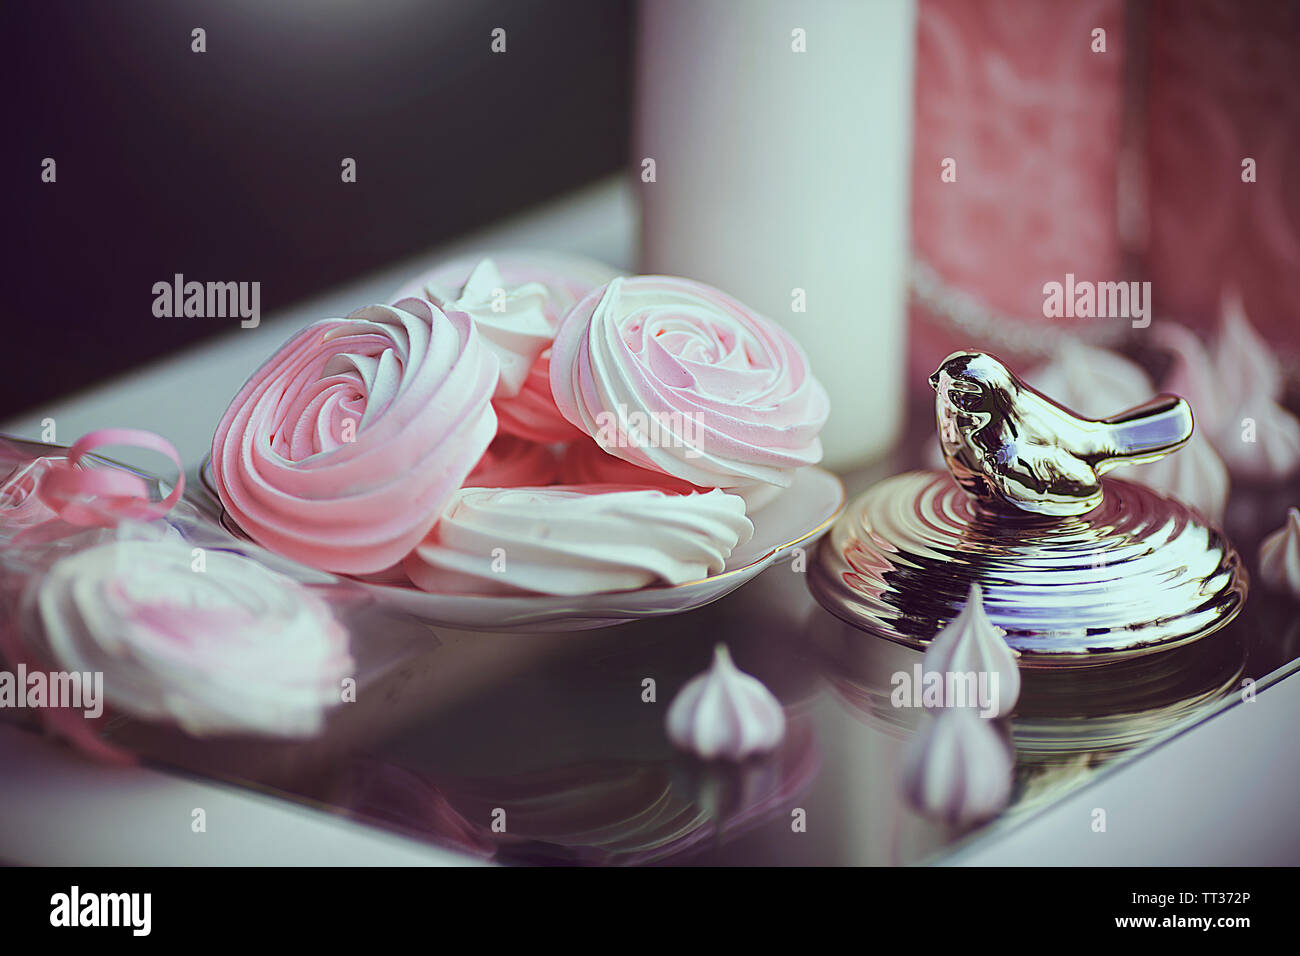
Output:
(510, 318)
(1192, 375)
(1279, 557)
(1194, 475)
(1260, 440)
(1092, 381)
(1242, 357)
(958, 769)
(972, 644)
(725, 713)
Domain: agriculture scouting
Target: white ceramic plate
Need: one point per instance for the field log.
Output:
(794, 519)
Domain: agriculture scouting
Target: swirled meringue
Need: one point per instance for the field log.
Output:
(566, 278)
(574, 540)
(958, 768)
(1260, 440)
(1192, 375)
(510, 318)
(674, 375)
(1243, 361)
(725, 713)
(1279, 557)
(1249, 370)
(344, 447)
(510, 462)
(1194, 475)
(1234, 395)
(231, 648)
(531, 413)
(1091, 381)
(971, 644)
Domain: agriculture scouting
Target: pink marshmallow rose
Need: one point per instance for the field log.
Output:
(678, 377)
(344, 447)
(506, 286)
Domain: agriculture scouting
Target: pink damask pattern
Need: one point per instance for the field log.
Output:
(1038, 124)
(1223, 86)
(1012, 91)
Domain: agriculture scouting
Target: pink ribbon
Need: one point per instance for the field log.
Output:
(95, 496)
(104, 496)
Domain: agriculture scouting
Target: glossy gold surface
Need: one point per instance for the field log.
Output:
(1139, 573)
(1007, 444)
(1075, 568)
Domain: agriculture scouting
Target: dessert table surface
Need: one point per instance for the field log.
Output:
(549, 748)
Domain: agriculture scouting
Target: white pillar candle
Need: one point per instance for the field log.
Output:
(780, 136)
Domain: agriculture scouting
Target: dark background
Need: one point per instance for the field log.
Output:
(225, 165)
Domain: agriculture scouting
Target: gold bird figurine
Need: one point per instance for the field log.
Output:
(1006, 443)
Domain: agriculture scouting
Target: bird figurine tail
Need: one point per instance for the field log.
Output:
(1150, 429)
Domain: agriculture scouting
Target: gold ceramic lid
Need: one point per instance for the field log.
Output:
(1074, 567)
